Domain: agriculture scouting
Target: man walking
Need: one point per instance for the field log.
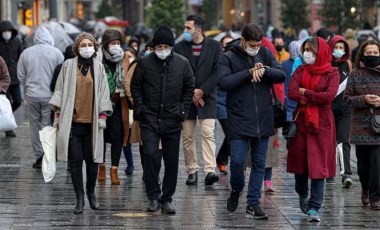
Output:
(247, 72)
(35, 70)
(10, 51)
(162, 89)
(203, 54)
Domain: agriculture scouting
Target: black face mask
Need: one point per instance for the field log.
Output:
(371, 61)
(279, 47)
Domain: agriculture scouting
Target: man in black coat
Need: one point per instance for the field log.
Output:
(247, 72)
(10, 51)
(162, 88)
(203, 54)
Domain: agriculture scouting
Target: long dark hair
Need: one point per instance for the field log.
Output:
(360, 52)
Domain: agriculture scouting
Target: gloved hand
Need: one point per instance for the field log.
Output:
(102, 121)
(56, 119)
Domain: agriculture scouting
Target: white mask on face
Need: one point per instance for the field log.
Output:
(131, 60)
(86, 52)
(252, 52)
(7, 35)
(114, 49)
(163, 54)
(309, 57)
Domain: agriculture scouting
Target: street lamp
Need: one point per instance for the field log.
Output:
(353, 10)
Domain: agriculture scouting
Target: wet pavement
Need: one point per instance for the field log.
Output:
(26, 202)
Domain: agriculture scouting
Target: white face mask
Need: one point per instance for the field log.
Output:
(114, 49)
(147, 52)
(7, 35)
(131, 60)
(252, 52)
(163, 54)
(309, 57)
(86, 52)
(338, 53)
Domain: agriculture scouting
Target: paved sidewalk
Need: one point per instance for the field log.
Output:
(26, 202)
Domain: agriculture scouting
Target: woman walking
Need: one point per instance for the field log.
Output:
(363, 95)
(81, 103)
(313, 87)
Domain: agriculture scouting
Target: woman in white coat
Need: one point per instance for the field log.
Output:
(81, 101)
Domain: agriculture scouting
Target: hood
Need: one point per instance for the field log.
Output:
(324, 52)
(303, 35)
(7, 25)
(336, 39)
(234, 46)
(43, 36)
(294, 49)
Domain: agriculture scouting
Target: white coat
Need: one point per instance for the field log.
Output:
(64, 98)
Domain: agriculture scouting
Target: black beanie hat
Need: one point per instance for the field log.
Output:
(110, 35)
(163, 35)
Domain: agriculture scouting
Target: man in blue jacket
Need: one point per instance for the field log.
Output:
(247, 72)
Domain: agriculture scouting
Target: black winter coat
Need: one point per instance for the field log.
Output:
(162, 92)
(249, 105)
(205, 74)
(11, 50)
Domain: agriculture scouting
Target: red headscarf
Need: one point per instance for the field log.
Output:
(312, 75)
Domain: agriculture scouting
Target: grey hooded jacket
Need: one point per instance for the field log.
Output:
(36, 66)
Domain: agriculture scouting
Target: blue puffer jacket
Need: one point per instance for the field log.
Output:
(249, 105)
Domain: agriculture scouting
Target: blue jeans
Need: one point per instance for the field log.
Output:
(316, 193)
(268, 174)
(127, 150)
(239, 150)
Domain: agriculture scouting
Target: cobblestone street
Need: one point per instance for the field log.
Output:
(26, 202)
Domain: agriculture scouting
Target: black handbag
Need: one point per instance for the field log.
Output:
(375, 123)
(279, 111)
(290, 128)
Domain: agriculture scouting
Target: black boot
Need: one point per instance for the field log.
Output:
(92, 173)
(77, 180)
(92, 200)
(78, 209)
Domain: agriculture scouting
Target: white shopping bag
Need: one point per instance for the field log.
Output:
(7, 120)
(48, 140)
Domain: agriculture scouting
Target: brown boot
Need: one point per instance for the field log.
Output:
(102, 172)
(114, 176)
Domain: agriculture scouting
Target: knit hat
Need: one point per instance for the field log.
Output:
(111, 35)
(79, 38)
(163, 35)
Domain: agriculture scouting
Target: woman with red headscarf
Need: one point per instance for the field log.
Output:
(311, 153)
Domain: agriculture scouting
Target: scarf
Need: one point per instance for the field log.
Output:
(115, 78)
(312, 74)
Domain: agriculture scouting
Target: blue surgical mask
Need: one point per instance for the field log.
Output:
(338, 53)
(187, 36)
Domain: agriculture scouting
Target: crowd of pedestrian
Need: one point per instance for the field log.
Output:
(121, 93)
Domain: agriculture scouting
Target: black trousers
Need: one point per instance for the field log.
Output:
(114, 134)
(343, 129)
(14, 96)
(152, 163)
(224, 151)
(80, 148)
(369, 169)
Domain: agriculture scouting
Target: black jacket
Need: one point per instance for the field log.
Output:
(10, 51)
(249, 105)
(204, 73)
(162, 92)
